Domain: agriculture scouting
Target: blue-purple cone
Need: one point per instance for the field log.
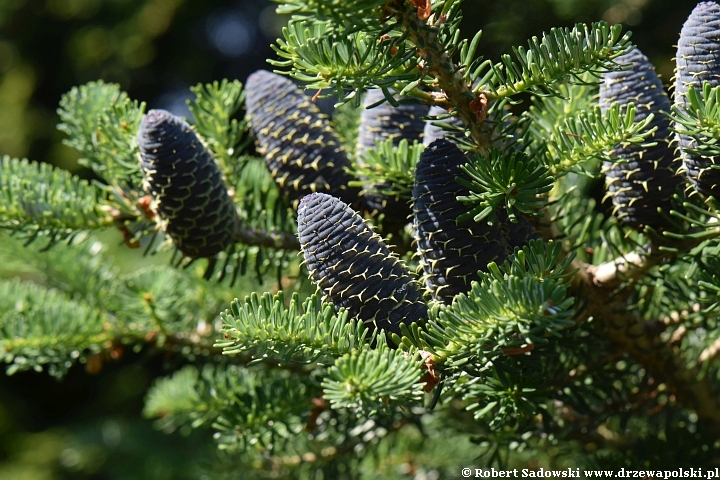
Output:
(698, 61)
(433, 132)
(385, 121)
(186, 186)
(302, 152)
(451, 252)
(640, 180)
(354, 268)
(379, 124)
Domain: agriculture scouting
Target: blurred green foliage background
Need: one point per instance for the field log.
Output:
(90, 426)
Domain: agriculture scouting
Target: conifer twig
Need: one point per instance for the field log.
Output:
(599, 285)
(263, 238)
(627, 330)
(635, 265)
(470, 109)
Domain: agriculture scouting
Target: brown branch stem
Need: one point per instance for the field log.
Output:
(604, 289)
(449, 77)
(280, 240)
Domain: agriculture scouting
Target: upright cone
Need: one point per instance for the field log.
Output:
(641, 180)
(698, 61)
(186, 186)
(380, 124)
(302, 152)
(354, 268)
(451, 252)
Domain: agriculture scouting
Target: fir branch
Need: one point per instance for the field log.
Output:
(593, 134)
(277, 240)
(389, 169)
(541, 262)
(547, 112)
(435, 40)
(248, 408)
(709, 280)
(513, 306)
(699, 119)
(366, 381)
(305, 332)
(558, 56)
(163, 300)
(42, 328)
(37, 199)
(579, 222)
(512, 315)
(627, 329)
(102, 123)
(358, 13)
(266, 217)
(171, 397)
(510, 180)
(323, 58)
(81, 268)
(213, 109)
(345, 123)
(507, 399)
(489, 344)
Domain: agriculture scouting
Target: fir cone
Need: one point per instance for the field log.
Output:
(698, 60)
(302, 152)
(353, 267)
(186, 186)
(379, 124)
(640, 180)
(451, 253)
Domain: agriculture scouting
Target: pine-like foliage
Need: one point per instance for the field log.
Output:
(640, 181)
(518, 231)
(451, 251)
(354, 268)
(553, 331)
(301, 150)
(186, 186)
(31, 208)
(697, 62)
